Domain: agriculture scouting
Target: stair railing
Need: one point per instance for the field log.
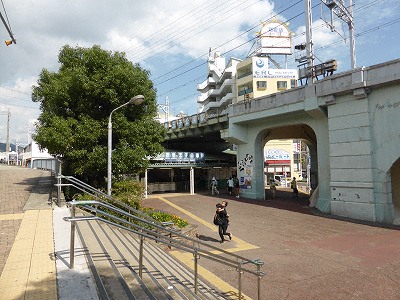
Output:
(116, 213)
(146, 229)
(101, 196)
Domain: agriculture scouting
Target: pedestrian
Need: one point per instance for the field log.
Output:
(221, 219)
(272, 187)
(230, 185)
(236, 186)
(224, 205)
(214, 184)
(293, 186)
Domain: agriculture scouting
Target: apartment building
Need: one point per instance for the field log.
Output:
(218, 90)
(253, 77)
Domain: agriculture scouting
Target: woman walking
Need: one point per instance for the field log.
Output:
(221, 219)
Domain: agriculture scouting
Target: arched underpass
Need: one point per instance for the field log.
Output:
(284, 196)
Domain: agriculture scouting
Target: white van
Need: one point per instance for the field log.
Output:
(280, 180)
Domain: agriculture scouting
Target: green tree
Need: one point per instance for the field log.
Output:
(75, 104)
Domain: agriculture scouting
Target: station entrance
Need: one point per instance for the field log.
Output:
(188, 172)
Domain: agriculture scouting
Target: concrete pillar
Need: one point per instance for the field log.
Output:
(145, 184)
(191, 181)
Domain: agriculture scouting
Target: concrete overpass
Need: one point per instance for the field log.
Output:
(351, 123)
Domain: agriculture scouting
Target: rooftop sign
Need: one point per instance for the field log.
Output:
(275, 38)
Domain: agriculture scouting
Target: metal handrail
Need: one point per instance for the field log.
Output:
(101, 196)
(164, 235)
(146, 227)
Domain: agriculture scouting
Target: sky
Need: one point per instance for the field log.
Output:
(171, 39)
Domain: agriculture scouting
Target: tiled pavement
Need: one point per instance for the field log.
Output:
(27, 263)
(306, 256)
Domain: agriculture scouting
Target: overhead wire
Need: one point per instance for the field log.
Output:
(163, 29)
(171, 36)
(222, 54)
(319, 48)
(237, 36)
(221, 45)
(179, 34)
(180, 86)
(5, 13)
(356, 12)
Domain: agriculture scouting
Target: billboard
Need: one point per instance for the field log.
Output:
(276, 38)
(276, 154)
(276, 73)
(260, 66)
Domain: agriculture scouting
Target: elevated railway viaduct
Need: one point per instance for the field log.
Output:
(351, 124)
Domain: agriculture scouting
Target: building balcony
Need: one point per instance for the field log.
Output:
(205, 84)
(213, 68)
(246, 91)
(204, 96)
(226, 100)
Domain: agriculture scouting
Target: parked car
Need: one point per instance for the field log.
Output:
(280, 180)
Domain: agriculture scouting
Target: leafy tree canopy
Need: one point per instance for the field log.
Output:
(76, 102)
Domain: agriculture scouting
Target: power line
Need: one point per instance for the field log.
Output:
(359, 9)
(21, 106)
(7, 26)
(183, 85)
(157, 33)
(237, 36)
(178, 35)
(244, 32)
(373, 29)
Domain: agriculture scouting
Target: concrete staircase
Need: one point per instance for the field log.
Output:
(113, 254)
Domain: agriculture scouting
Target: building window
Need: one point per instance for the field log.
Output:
(244, 90)
(281, 85)
(261, 85)
(293, 83)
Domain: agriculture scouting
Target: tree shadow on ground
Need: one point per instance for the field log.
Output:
(284, 199)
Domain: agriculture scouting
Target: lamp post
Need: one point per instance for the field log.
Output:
(138, 99)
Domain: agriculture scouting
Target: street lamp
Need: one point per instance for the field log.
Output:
(138, 99)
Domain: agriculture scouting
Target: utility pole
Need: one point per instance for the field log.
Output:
(165, 109)
(16, 150)
(309, 40)
(351, 32)
(8, 138)
(338, 8)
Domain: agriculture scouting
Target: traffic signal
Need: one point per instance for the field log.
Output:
(8, 42)
(302, 46)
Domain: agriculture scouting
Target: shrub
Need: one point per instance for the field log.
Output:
(166, 217)
(130, 192)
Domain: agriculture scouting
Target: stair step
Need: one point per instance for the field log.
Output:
(114, 254)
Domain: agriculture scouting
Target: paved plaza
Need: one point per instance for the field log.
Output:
(27, 262)
(306, 255)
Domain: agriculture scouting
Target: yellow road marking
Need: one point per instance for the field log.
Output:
(11, 217)
(240, 244)
(225, 288)
(188, 260)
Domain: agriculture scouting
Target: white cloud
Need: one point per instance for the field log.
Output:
(162, 36)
